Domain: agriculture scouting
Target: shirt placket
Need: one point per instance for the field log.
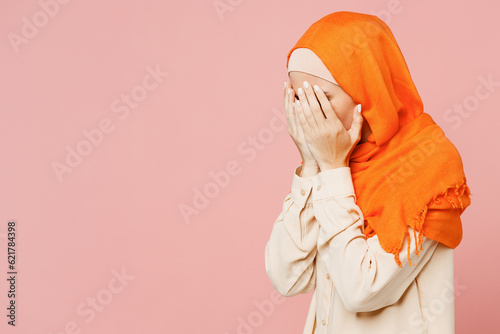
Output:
(324, 301)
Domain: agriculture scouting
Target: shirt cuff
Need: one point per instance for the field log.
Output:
(331, 183)
(301, 188)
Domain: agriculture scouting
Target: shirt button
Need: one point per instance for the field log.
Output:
(302, 192)
(327, 276)
(323, 322)
(318, 187)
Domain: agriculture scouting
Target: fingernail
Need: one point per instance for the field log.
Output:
(306, 84)
(285, 85)
(359, 107)
(316, 88)
(301, 91)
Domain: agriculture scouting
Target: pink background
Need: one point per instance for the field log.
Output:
(119, 207)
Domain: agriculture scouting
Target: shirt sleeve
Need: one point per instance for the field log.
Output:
(290, 254)
(366, 277)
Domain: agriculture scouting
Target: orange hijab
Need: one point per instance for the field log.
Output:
(407, 164)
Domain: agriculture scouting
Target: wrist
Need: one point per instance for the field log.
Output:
(331, 165)
(309, 169)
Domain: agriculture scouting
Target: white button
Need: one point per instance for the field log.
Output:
(323, 322)
(327, 276)
(302, 192)
(318, 187)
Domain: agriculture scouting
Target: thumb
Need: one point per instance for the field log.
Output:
(357, 123)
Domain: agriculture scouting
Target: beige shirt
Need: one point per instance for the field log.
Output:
(359, 288)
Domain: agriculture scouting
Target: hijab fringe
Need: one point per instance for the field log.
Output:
(418, 222)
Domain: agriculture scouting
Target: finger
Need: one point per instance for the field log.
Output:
(302, 119)
(285, 95)
(313, 103)
(287, 98)
(330, 114)
(292, 128)
(306, 109)
(298, 126)
(357, 124)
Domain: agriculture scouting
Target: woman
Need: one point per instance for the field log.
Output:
(373, 214)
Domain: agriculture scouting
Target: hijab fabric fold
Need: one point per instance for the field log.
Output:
(407, 165)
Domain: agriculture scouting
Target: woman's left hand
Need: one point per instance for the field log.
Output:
(328, 140)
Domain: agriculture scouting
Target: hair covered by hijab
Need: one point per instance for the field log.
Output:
(305, 60)
(407, 164)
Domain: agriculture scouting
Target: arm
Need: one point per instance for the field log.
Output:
(366, 277)
(290, 253)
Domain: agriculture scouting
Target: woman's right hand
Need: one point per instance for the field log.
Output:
(295, 128)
